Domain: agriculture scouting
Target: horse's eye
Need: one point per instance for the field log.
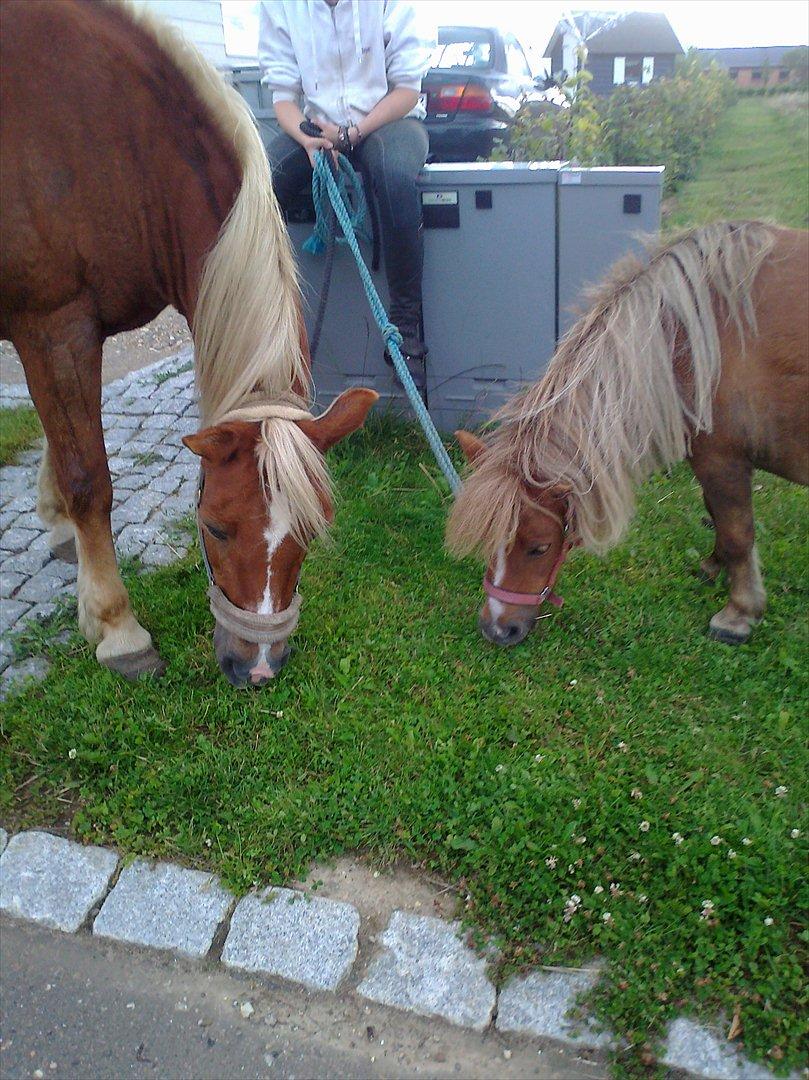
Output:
(217, 533)
(535, 552)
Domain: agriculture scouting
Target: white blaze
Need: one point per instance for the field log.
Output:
(495, 606)
(277, 529)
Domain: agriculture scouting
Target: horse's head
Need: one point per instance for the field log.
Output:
(525, 530)
(257, 516)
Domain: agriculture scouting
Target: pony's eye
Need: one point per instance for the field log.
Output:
(216, 533)
(535, 552)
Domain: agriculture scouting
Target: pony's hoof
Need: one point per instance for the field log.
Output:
(65, 550)
(135, 665)
(729, 635)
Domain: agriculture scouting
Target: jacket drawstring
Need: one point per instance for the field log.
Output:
(355, 10)
(312, 39)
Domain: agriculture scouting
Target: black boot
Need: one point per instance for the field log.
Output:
(403, 267)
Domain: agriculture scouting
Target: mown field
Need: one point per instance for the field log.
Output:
(618, 755)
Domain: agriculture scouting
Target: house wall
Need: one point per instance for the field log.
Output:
(200, 21)
(600, 66)
(765, 76)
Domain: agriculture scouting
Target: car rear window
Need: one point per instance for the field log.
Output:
(462, 47)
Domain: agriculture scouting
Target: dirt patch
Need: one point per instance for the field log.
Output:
(123, 353)
(377, 893)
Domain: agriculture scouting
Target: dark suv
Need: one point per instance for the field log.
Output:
(478, 79)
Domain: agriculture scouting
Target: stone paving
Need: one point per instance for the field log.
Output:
(419, 964)
(145, 414)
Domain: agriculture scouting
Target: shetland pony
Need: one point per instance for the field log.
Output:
(700, 353)
(132, 177)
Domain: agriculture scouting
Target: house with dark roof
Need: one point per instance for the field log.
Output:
(757, 67)
(620, 48)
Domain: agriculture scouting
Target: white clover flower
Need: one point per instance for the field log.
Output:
(795, 834)
(537, 757)
(636, 793)
(769, 921)
(707, 909)
(781, 791)
(598, 890)
(716, 841)
(576, 804)
(615, 888)
(746, 841)
(622, 746)
(677, 837)
(72, 753)
(607, 917)
(731, 854)
(571, 869)
(635, 856)
(581, 840)
(573, 682)
(642, 899)
(551, 862)
(707, 903)
(644, 826)
(575, 898)
(499, 768)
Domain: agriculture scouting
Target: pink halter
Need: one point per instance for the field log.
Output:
(547, 593)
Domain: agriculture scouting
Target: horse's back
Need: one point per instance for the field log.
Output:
(763, 396)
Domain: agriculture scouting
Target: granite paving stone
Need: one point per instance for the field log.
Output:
(701, 1052)
(540, 1002)
(53, 881)
(17, 539)
(284, 933)
(10, 581)
(164, 906)
(47, 582)
(14, 676)
(426, 968)
(11, 611)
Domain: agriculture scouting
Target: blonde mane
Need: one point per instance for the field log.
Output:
(245, 328)
(617, 402)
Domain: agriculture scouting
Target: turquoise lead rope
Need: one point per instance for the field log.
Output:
(323, 181)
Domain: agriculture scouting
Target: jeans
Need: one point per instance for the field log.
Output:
(392, 156)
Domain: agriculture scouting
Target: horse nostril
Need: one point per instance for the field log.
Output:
(511, 631)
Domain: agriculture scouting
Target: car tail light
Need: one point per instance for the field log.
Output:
(476, 99)
(445, 99)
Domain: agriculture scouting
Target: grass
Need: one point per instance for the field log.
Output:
(756, 166)
(524, 777)
(19, 429)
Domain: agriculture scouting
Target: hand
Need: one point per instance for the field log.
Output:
(329, 130)
(313, 145)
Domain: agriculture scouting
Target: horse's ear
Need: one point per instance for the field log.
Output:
(345, 414)
(471, 445)
(217, 444)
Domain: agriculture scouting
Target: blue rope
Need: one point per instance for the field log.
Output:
(353, 197)
(322, 179)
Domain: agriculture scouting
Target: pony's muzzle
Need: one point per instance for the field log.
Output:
(508, 627)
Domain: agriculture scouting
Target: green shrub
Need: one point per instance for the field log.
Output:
(667, 122)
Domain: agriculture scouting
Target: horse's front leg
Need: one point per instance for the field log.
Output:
(726, 483)
(61, 354)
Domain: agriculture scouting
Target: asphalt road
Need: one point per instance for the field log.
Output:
(73, 1006)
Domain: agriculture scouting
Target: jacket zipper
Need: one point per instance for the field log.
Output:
(344, 104)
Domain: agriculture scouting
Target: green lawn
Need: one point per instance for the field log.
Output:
(756, 166)
(569, 764)
(19, 429)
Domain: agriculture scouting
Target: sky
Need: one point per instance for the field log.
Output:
(707, 24)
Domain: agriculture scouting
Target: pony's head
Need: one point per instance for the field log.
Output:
(264, 495)
(521, 529)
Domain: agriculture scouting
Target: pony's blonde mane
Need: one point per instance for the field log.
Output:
(628, 387)
(245, 327)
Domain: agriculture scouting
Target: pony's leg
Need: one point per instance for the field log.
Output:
(52, 510)
(728, 491)
(710, 567)
(61, 354)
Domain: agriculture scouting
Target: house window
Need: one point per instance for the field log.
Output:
(734, 73)
(756, 75)
(632, 70)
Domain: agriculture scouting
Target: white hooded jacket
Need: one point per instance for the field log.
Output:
(338, 62)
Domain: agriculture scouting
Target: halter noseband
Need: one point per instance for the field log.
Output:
(250, 625)
(536, 599)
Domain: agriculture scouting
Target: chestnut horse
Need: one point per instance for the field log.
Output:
(133, 178)
(701, 354)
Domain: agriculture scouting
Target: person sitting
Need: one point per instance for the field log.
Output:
(354, 70)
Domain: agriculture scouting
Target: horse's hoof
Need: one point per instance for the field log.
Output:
(135, 665)
(65, 550)
(727, 637)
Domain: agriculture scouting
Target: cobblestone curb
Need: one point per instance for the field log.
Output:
(145, 415)
(423, 965)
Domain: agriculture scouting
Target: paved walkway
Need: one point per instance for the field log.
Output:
(145, 416)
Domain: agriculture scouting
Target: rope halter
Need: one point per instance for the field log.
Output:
(506, 596)
(250, 625)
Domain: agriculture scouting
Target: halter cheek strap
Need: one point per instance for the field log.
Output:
(536, 599)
